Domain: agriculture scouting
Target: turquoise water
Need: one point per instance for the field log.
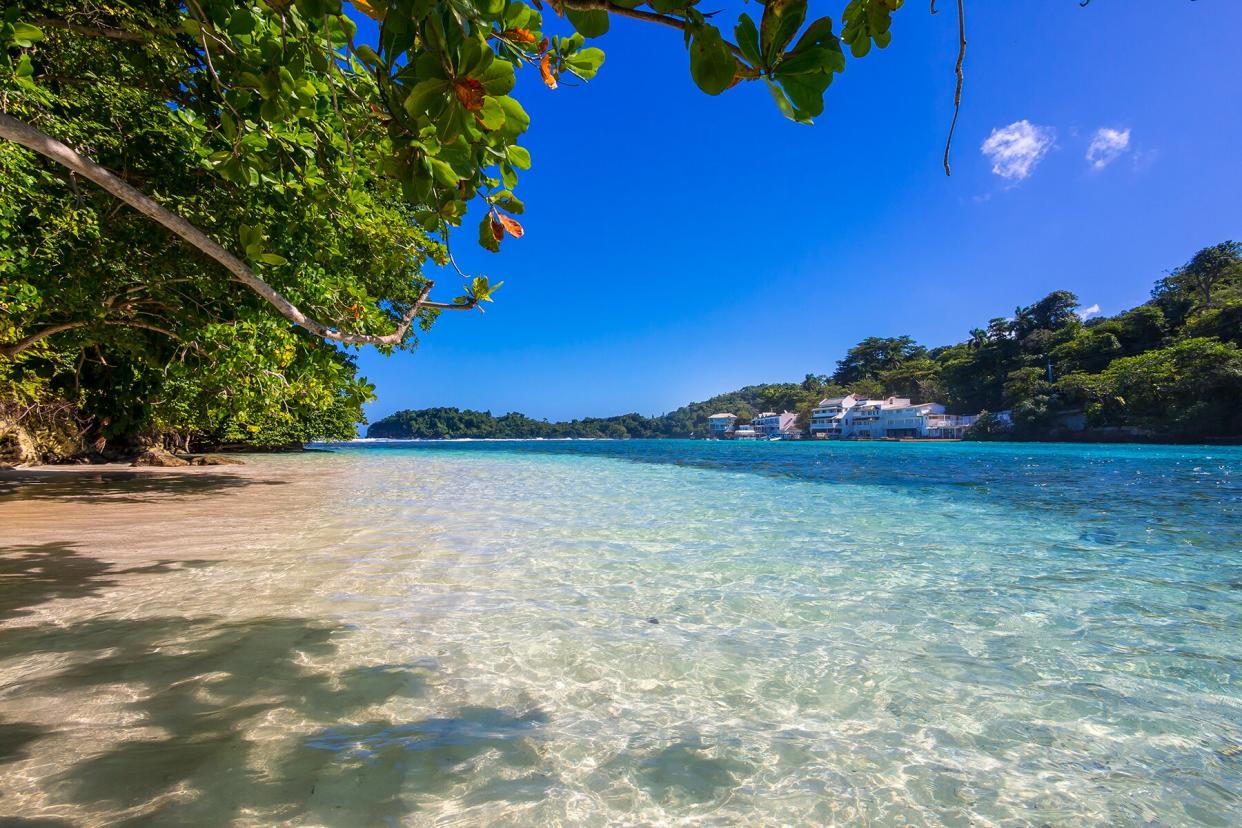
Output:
(661, 632)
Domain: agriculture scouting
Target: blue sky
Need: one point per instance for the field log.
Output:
(680, 245)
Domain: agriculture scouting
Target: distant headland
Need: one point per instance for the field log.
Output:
(1168, 370)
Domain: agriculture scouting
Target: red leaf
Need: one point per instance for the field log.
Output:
(470, 92)
(498, 229)
(545, 69)
(511, 226)
(519, 36)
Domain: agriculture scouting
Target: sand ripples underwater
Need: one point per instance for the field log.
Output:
(632, 633)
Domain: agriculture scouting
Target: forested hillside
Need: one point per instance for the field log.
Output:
(1170, 368)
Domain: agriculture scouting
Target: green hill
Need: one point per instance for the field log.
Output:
(1169, 369)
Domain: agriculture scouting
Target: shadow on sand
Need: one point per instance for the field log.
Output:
(77, 485)
(231, 719)
(36, 573)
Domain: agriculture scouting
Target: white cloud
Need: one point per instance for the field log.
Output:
(1107, 145)
(1087, 313)
(1016, 149)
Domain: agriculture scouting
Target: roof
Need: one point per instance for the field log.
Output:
(723, 416)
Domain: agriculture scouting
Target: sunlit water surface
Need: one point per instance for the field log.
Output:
(633, 633)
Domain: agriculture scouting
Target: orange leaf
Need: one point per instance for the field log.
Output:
(545, 69)
(470, 92)
(368, 8)
(511, 226)
(519, 36)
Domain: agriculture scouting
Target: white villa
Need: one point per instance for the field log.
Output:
(723, 426)
(852, 416)
(771, 424)
(720, 425)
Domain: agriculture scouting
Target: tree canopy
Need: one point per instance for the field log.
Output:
(201, 202)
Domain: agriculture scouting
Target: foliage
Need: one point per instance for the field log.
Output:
(333, 167)
(158, 339)
(1191, 388)
(874, 355)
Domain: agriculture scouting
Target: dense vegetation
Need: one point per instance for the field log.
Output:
(203, 205)
(1169, 369)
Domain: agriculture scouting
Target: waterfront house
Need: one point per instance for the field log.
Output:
(926, 420)
(827, 417)
(744, 432)
(720, 425)
(893, 417)
(771, 424)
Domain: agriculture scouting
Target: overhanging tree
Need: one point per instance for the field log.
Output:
(280, 96)
(308, 175)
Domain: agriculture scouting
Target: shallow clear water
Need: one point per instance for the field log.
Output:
(633, 633)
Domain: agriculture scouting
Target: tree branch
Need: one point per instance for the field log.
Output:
(93, 31)
(33, 139)
(957, 96)
(14, 348)
(638, 14)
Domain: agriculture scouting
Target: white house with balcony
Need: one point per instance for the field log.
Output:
(893, 417)
(926, 420)
(720, 425)
(771, 424)
(828, 418)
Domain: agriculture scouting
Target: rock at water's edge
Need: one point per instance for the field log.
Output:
(17, 447)
(158, 457)
(215, 460)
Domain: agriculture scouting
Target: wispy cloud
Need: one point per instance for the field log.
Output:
(1107, 145)
(1016, 149)
(1087, 313)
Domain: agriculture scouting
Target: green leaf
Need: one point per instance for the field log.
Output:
(806, 92)
(819, 33)
(508, 176)
(26, 35)
(787, 109)
(748, 39)
(593, 23)
(585, 63)
(367, 55)
(811, 59)
(272, 259)
(518, 156)
(711, 63)
(516, 119)
(487, 238)
(443, 173)
(425, 98)
(499, 78)
(780, 22)
(249, 236)
(508, 202)
(492, 115)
